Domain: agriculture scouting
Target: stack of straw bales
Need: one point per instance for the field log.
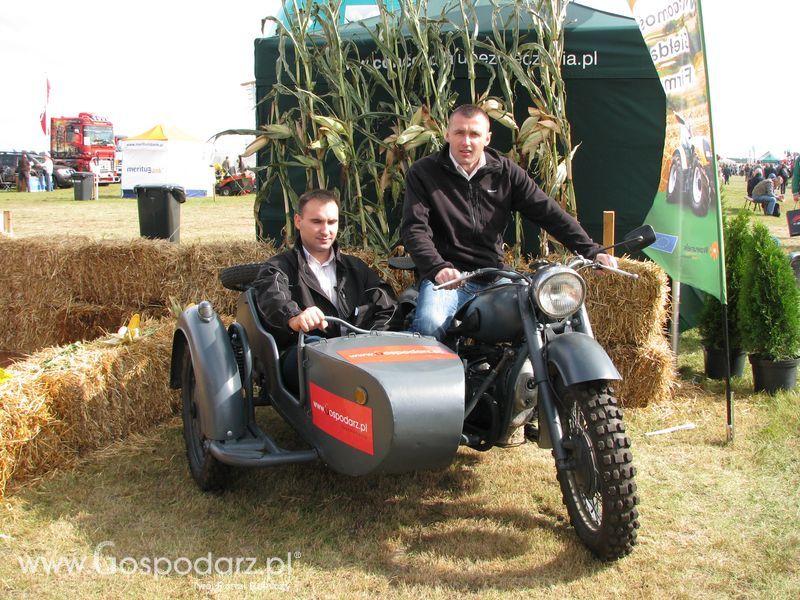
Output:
(59, 290)
(64, 401)
(629, 319)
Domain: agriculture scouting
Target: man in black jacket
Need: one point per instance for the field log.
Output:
(297, 288)
(458, 204)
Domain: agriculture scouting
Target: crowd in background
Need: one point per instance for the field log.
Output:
(767, 181)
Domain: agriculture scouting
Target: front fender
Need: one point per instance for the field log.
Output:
(579, 358)
(218, 387)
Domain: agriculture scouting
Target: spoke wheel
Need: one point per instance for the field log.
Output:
(598, 484)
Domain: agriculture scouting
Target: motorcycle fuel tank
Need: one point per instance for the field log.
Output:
(385, 403)
(491, 316)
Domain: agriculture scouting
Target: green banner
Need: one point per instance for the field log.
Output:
(686, 212)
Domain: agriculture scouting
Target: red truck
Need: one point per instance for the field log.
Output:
(84, 143)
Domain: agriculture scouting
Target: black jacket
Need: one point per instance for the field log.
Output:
(451, 222)
(286, 286)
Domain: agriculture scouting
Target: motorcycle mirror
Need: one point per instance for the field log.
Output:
(639, 238)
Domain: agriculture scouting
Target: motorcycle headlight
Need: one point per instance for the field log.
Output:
(559, 291)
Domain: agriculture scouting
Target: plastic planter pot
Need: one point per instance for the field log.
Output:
(772, 376)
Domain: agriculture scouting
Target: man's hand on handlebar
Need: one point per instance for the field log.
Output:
(607, 260)
(308, 320)
(445, 275)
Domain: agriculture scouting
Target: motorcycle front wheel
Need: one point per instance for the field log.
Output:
(598, 483)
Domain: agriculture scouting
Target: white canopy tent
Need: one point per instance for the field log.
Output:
(167, 156)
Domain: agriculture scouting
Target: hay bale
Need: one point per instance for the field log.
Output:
(64, 401)
(46, 277)
(23, 414)
(648, 372)
(84, 321)
(627, 311)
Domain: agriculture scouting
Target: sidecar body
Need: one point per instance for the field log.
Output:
(368, 403)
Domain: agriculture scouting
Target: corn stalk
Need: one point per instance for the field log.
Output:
(379, 113)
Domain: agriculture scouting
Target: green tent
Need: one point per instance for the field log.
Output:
(615, 105)
(768, 157)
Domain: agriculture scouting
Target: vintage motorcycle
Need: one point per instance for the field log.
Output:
(520, 354)
(691, 171)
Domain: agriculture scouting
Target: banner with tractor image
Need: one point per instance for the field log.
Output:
(686, 211)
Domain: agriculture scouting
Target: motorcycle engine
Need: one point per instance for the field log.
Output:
(501, 399)
(524, 400)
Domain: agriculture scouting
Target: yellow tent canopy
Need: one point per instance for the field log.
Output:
(163, 132)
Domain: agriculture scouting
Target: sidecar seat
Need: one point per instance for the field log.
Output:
(261, 343)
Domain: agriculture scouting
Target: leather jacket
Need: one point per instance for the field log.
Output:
(286, 286)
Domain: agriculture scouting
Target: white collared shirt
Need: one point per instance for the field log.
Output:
(460, 169)
(325, 274)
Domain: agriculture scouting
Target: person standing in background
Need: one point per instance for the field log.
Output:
(47, 168)
(24, 173)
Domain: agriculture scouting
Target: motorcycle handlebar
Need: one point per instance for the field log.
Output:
(477, 273)
(302, 335)
(580, 262)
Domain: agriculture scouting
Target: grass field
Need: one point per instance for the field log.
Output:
(717, 520)
(57, 213)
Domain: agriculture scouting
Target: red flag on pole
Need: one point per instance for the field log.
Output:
(43, 116)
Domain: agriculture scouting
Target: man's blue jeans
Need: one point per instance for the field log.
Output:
(768, 202)
(435, 308)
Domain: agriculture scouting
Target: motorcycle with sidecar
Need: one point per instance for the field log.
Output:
(519, 355)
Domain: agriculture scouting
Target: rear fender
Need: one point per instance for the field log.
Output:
(579, 358)
(218, 387)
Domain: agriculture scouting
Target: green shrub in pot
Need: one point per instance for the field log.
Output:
(735, 233)
(769, 313)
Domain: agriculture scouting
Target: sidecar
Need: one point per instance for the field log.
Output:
(374, 402)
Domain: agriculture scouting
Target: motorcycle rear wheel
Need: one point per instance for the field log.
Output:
(598, 487)
(207, 471)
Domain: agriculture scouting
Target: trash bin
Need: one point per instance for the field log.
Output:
(83, 184)
(160, 211)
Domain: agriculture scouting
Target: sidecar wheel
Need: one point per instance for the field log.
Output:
(207, 471)
(598, 485)
(240, 277)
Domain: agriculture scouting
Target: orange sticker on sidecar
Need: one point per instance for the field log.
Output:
(396, 354)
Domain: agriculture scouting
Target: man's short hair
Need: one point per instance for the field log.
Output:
(318, 194)
(468, 111)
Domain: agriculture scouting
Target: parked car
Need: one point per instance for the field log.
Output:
(8, 166)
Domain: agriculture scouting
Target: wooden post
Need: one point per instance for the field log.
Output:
(7, 228)
(608, 230)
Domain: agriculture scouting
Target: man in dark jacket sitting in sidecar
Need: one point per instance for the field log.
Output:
(297, 288)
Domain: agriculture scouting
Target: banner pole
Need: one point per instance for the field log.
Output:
(722, 274)
(728, 392)
(674, 327)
